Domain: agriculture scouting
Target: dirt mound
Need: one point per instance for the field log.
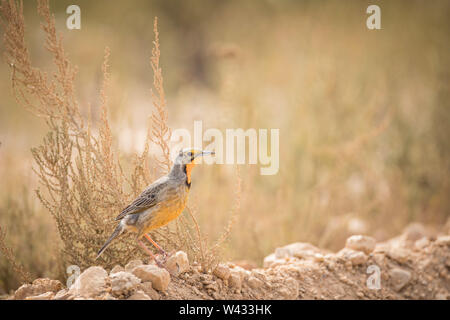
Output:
(411, 266)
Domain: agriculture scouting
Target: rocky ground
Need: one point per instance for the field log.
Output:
(411, 266)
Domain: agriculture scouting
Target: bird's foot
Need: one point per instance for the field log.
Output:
(166, 255)
(161, 259)
(160, 264)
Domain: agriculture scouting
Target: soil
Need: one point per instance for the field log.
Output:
(411, 266)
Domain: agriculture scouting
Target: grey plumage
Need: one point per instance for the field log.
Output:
(145, 200)
(117, 232)
(160, 202)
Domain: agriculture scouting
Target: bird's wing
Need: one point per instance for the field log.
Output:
(147, 199)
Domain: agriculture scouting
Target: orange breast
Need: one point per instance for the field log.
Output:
(169, 209)
(188, 172)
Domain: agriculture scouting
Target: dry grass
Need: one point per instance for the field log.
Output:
(82, 182)
(10, 256)
(363, 118)
(77, 171)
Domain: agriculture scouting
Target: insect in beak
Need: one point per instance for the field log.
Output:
(202, 153)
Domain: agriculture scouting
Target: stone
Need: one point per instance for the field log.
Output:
(271, 261)
(139, 295)
(177, 263)
(299, 250)
(421, 243)
(91, 283)
(62, 295)
(361, 243)
(44, 296)
(159, 277)
(414, 232)
(348, 265)
(23, 291)
(234, 281)
(443, 241)
(399, 278)
(398, 254)
(258, 273)
(117, 268)
(318, 257)
(147, 288)
(244, 274)
(48, 284)
(222, 272)
(245, 264)
(254, 283)
(123, 283)
(352, 256)
(213, 286)
(38, 287)
(133, 264)
(268, 260)
(109, 297)
(379, 259)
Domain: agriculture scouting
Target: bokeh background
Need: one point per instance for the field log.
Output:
(364, 115)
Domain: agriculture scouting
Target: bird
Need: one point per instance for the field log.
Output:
(161, 202)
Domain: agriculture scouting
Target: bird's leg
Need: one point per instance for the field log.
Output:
(164, 253)
(150, 253)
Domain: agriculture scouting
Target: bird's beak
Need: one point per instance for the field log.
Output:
(204, 153)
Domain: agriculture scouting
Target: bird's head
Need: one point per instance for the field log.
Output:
(188, 156)
(186, 159)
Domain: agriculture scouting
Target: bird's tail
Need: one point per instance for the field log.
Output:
(117, 232)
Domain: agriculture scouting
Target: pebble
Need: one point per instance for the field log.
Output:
(133, 264)
(159, 277)
(399, 278)
(178, 263)
(222, 271)
(90, 283)
(361, 243)
(139, 295)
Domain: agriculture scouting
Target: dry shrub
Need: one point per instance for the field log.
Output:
(82, 183)
(10, 256)
(79, 177)
(161, 133)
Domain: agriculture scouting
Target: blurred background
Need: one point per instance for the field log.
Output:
(364, 115)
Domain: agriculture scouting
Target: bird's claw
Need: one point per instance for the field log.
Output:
(160, 264)
(166, 255)
(162, 259)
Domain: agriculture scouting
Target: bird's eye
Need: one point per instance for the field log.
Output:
(190, 154)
